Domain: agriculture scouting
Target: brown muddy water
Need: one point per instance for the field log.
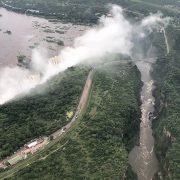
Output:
(142, 158)
(28, 32)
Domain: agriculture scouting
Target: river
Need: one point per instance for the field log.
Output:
(19, 34)
(142, 158)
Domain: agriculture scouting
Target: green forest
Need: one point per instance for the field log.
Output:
(42, 112)
(167, 125)
(98, 145)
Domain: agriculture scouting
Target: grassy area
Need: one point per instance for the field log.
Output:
(97, 145)
(42, 112)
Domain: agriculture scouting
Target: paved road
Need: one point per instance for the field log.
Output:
(82, 104)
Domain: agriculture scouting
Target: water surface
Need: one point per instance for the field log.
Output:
(28, 32)
(142, 158)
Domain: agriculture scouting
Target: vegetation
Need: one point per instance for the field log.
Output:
(88, 12)
(168, 7)
(23, 61)
(97, 147)
(78, 11)
(42, 111)
(8, 32)
(167, 126)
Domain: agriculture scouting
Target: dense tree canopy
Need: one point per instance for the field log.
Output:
(42, 111)
(97, 147)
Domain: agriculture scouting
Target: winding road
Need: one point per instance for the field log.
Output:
(82, 104)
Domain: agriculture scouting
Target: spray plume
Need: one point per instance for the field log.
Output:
(114, 34)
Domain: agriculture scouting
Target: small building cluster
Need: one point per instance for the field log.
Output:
(27, 149)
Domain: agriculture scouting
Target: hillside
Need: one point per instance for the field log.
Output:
(42, 112)
(98, 145)
(167, 126)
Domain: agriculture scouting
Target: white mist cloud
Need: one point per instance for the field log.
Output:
(14, 81)
(114, 34)
(155, 21)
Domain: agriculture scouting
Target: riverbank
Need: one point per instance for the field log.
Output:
(76, 12)
(56, 12)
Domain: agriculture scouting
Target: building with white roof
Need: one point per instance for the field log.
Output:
(32, 144)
